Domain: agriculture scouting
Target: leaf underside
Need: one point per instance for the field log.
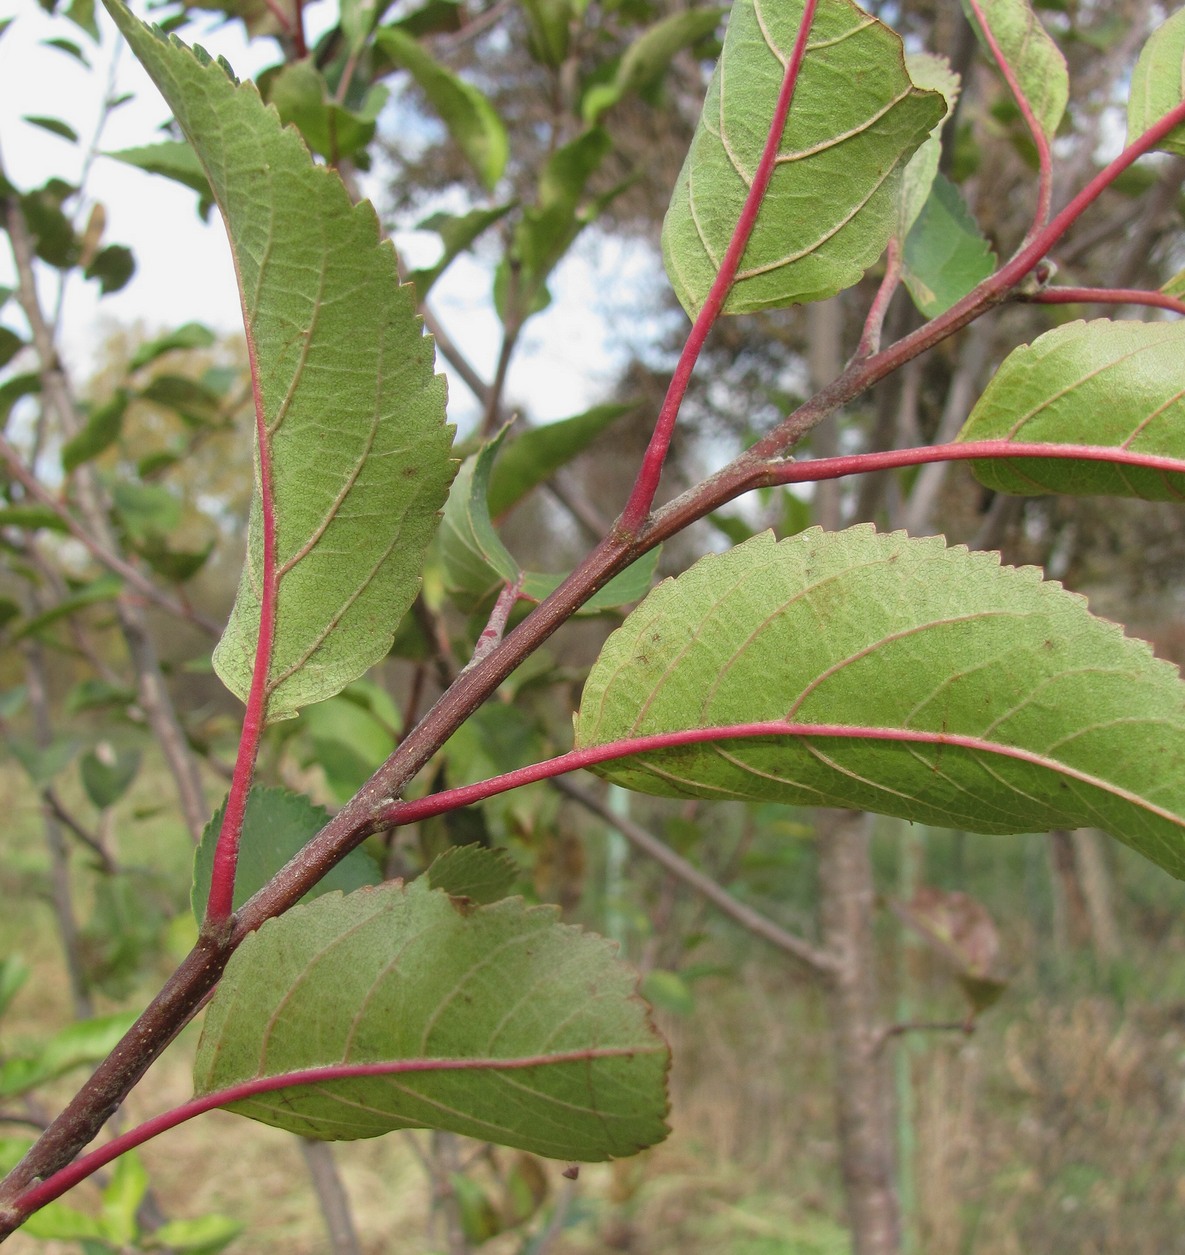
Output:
(1061, 721)
(276, 826)
(406, 973)
(354, 415)
(1111, 384)
(1158, 83)
(831, 206)
(945, 254)
(1031, 53)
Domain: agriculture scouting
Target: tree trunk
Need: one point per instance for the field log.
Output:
(862, 1079)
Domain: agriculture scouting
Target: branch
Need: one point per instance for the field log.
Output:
(789, 472)
(1105, 296)
(818, 960)
(870, 339)
(54, 806)
(360, 817)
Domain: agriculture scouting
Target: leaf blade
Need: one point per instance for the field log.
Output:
(944, 689)
(1104, 383)
(351, 409)
(830, 208)
(425, 979)
(1158, 83)
(472, 121)
(1034, 58)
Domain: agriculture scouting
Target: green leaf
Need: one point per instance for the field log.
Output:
(205, 1235)
(471, 120)
(933, 73)
(55, 126)
(348, 739)
(1158, 83)
(102, 430)
(831, 206)
(53, 235)
(14, 972)
(457, 232)
(10, 345)
(113, 266)
(550, 23)
(1114, 384)
(535, 455)
(946, 254)
(65, 1223)
(175, 565)
(82, 14)
(548, 228)
(75, 1046)
(190, 398)
(147, 512)
(1034, 58)
(31, 517)
(69, 47)
(358, 18)
(190, 335)
(15, 389)
(436, 17)
(105, 588)
(277, 826)
(476, 562)
(122, 1198)
(647, 58)
(1176, 285)
(301, 95)
(473, 872)
(668, 991)
(171, 159)
(353, 414)
(107, 773)
(623, 589)
(946, 689)
(403, 973)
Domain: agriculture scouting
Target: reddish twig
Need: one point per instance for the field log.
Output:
(979, 450)
(870, 338)
(1105, 296)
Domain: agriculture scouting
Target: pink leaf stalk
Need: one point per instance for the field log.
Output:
(970, 450)
(646, 485)
(55, 1186)
(226, 852)
(1107, 296)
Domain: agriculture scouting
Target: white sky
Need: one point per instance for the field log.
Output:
(567, 357)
